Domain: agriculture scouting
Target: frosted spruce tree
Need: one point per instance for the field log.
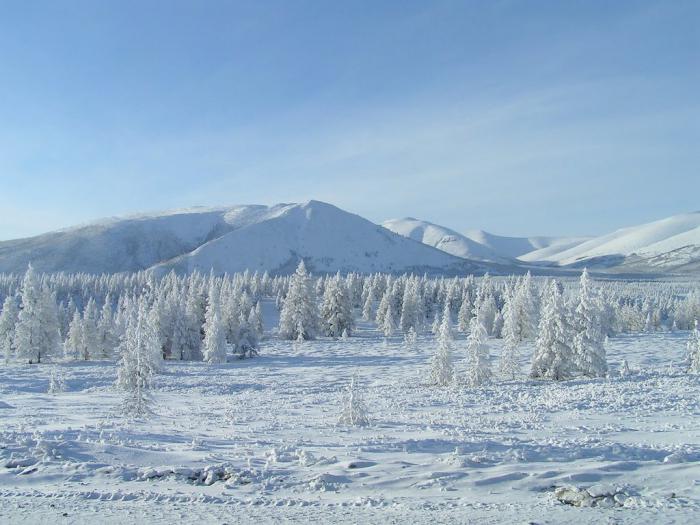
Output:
(91, 339)
(411, 313)
(336, 308)
(8, 320)
(37, 332)
(140, 360)
(214, 345)
(554, 356)
(441, 367)
(512, 336)
(465, 313)
(353, 411)
(368, 305)
(299, 308)
(247, 340)
(388, 324)
(589, 341)
(107, 339)
(694, 350)
(74, 346)
(478, 356)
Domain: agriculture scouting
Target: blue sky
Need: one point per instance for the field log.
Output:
(532, 117)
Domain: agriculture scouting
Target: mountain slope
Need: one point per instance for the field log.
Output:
(120, 244)
(265, 238)
(329, 239)
(443, 239)
(478, 244)
(646, 241)
(519, 247)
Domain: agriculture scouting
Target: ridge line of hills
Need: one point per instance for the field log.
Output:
(230, 239)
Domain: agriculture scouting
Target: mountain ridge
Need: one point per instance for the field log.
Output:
(274, 238)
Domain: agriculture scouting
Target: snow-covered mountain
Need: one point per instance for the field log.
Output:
(478, 244)
(672, 244)
(275, 238)
(329, 239)
(445, 239)
(264, 238)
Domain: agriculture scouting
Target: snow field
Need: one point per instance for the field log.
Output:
(261, 435)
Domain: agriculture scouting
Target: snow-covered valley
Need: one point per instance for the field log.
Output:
(245, 440)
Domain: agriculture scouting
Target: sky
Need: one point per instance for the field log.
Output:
(518, 117)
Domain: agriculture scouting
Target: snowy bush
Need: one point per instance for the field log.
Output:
(354, 411)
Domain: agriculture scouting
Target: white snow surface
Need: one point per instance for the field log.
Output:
(257, 440)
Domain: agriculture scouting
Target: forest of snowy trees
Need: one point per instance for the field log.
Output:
(139, 320)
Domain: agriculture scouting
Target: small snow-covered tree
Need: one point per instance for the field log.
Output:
(512, 336)
(91, 339)
(214, 345)
(336, 309)
(257, 321)
(247, 335)
(140, 360)
(57, 383)
(410, 338)
(589, 347)
(368, 305)
(478, 356)
(354, 410)
(74, 345)
(299, 308)
(8, 320)
(107, 339)
(625, 369)
(435, 327)
(441, 367)
(388, 324)
(411, 313)
(694, 350)
(553, 357)
(465, 313)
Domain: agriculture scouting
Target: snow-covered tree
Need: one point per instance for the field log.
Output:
(465, 313)
(512, 336)
(441, 367)
(37, 332)
(91, 339)
(625, 369)
(247, 335)
(478, 356)
(107, 339)
(299, 308)
(410, 338)
(354, 410)
(8, 320)
(554, 356)
(74, 346)
(694, 350)
(388, 324)
(336, 308)
(368, 305)
(214, 345)
(140, 359)
(589, 347)
(57, 383)
(411, 314)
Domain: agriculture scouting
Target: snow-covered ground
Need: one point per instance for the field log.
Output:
(257, 441)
